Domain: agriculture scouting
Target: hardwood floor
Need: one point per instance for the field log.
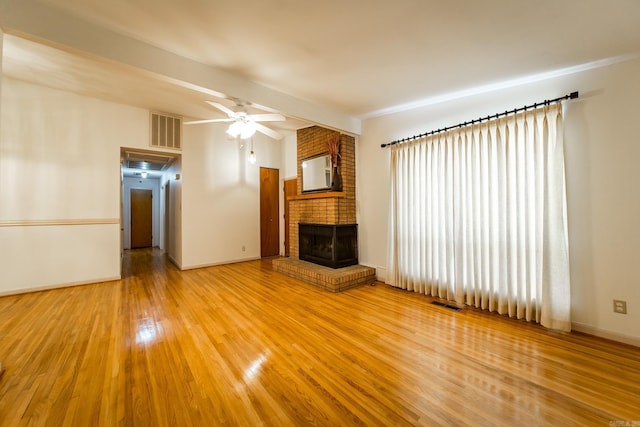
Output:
(243, 345)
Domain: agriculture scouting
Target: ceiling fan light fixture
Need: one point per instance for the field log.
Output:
(244, 125)
(247, 130)
(234, 129)
(242, 128)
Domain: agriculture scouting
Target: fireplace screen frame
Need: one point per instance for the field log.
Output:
(322, 232)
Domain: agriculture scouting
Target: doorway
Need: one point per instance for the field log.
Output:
(141, 218)
(156, 173)
(269, 212)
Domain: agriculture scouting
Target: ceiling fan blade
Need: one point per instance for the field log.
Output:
(269, 132)
(222, 108)
(197, 122)
(266, 117)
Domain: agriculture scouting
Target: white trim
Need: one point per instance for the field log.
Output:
(602, 333)
(58, 286)
(381, 272)
(57, 222)
(215, 264)
(173, 260)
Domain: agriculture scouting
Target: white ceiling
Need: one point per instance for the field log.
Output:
(356, 58)
(48, 66)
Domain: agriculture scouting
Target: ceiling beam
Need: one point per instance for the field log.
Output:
(48, 25)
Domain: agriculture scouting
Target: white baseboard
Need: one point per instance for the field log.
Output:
(176, 263)
(58, 286)
(214, 264)
(381, 272)
(602, 333)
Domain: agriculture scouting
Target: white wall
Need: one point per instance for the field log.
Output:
(173, 178)
(60, 169)
(289, 157)
(602, 148)
(289, 170)
(221, 195)
(152, 184)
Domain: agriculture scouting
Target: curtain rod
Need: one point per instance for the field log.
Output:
(572, 95)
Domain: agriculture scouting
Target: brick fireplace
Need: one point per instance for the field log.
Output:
(323, 208)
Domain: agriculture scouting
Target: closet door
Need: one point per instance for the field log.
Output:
(269, 212)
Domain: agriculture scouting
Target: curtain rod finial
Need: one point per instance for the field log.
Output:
(573, 95)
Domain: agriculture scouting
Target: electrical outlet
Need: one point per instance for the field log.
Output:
(243, 248)
(619, 306)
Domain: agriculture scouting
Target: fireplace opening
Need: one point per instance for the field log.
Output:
(331, 245)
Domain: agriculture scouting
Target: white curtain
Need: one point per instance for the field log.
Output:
(478, 216)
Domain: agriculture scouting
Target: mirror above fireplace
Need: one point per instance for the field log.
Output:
(316, 173)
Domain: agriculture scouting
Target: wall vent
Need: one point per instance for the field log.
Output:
(445, 305)
(166, 131)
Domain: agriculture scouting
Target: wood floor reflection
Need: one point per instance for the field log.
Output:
(242, 345)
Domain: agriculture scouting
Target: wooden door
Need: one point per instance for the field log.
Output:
(269, 212)
(141, 218)
(290, 190)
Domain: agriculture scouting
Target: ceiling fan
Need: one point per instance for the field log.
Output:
(243, 125)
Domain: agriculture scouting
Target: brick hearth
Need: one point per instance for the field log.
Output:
(333, 280)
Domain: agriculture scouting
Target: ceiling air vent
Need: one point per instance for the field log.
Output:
(166, 131)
